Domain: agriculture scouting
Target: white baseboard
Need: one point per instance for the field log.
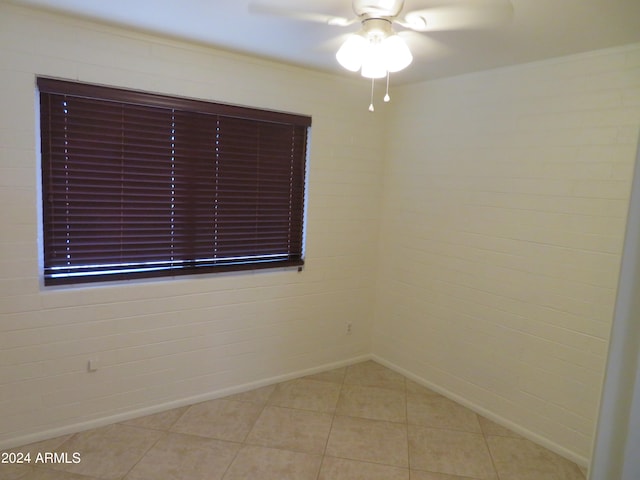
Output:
(534, 437)
(121, 417)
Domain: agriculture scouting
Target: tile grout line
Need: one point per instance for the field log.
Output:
(243, 443)
(406, 424)
(485, 436)
(333, 417)
(164, 435)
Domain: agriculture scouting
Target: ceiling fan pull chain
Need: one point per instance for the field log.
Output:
(371, 109)
(387, 98)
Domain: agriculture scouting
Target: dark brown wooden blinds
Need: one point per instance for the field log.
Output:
(139, 185)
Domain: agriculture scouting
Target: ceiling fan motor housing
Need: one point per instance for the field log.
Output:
(376, 28)
(377, 9)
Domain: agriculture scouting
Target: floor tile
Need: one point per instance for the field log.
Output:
(418, 475)
(521, 459)
(416, 388)
(31, 472)
(492, 428)
(263, 463)
(342, 469)
(439, 412)
(108, 452)
(297, 430)
(14, 471)
(258, 395)
(369, 441)
(185, 457)
(158, 421)
(221, 419)
(43, 446)
(46, 474)
(335, 376)
(19, 471)
(448, 451)
(372, 402)
(372, 374)
(306, 395)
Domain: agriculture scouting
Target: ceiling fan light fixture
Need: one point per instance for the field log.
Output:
(373, 65)
(351, 53)
(376, 49)
(395, 53)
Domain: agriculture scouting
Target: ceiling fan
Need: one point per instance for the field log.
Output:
(376, 50)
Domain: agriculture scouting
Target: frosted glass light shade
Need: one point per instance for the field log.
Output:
(395, 53)
(373, 63)
(373, 69)
(351, 53)
(375, 51)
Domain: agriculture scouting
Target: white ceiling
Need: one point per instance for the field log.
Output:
(540, 29)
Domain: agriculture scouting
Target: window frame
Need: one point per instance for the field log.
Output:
(300, 125)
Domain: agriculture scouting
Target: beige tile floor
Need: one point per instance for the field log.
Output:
(363, 422)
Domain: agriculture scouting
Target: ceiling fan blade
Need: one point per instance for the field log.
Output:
(459, 16)
(425, 45)
(262, 9)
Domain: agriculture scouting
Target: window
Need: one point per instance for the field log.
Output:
(140, 185)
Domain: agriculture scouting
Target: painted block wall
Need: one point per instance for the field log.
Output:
(504, 211)
(175, 341)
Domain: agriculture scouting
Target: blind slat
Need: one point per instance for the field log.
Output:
(136, 185)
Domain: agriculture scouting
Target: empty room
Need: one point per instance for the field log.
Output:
(319, 240)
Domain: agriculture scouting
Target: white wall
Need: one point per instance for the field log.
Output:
(506, 195)
(173, 341)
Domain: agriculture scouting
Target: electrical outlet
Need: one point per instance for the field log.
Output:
(349, 327)
(93, 365)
